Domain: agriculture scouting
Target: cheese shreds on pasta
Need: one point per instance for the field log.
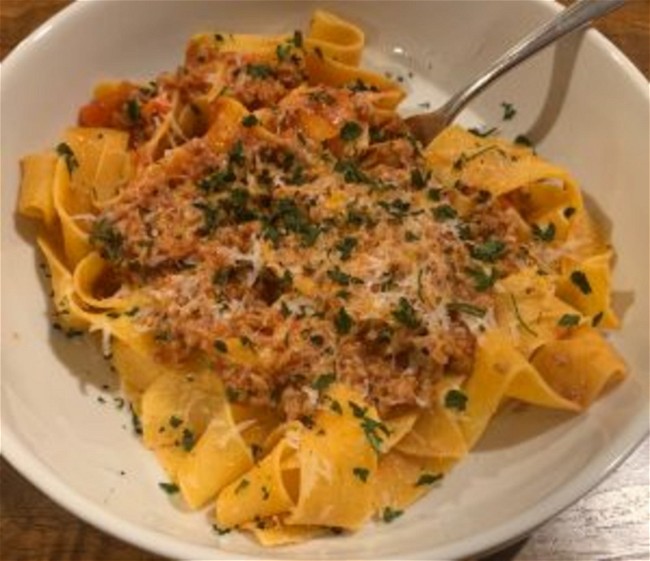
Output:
(314, 315)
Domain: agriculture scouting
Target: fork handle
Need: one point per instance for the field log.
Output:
(574, 17)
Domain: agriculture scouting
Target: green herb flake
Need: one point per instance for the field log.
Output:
(350, 131)
(339, 277)
(569, 212)
(324, 381)
(265, 493)
(297, 39)
(188, 440)
(108, 238)
(67, 154)
(509, 111)
(456, 399)
(483, 133)
(444, 212)
(488, 251)
(259, 71)
(389, 514)
(249, 121)
(428, 479)
(434, 195)
(544, 234)
(345, 247)
(523, 140)
(581, 281)
(175, 421)
(419, 178)
(595, 321)
(220, 346)
(169, 488)
(482, 280)
(241, 486)
(466, 308)
(569, 320)
(317, 340)
(361, 473)
(406, 315)
(519, 317)
(221, 531)
(343, 322)
(133, 110)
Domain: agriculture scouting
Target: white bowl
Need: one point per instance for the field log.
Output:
(584, 103)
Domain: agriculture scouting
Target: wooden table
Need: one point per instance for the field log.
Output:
(611, 523)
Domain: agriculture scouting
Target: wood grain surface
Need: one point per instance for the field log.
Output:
(610, 524)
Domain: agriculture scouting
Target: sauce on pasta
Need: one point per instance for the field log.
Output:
(314, 316)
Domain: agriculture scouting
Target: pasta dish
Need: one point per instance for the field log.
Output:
(313, 316)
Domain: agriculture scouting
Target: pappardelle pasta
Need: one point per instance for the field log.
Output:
(314, 316)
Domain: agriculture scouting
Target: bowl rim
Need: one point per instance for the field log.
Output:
(599, 467)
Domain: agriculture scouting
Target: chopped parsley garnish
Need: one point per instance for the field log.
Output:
(66, 153)
(406, 315)
(456, 399)
(482, 280)
(210, 214)
(396, 208)
(249, 121)
(220, 346)
(488, 251)
(108, 238)
(343, 322)
(509, 111)
(483, 133)
(433, 195)
(241, 486)
(595, 321)
(221, 531)
(581, 281)
(361, 473)
(345, 247)
(370, 426)
(523, 140)
(317, 340)
(133, 110)
(569, 320)
(445, 212)
(188, 440)
(175, 421)
(336, 407)
(217, 181)
(466, 308)
(519, 317)
(283, 51)
(351, 172)
(569, 212)
(236, 155)
(410, 236)
(339, 277)
(544, 234)
(324, 381)
(351, 130)
(297, 39)
(169, 488)
(265, 493)
(232, 394)
(428, 479)
(389, 514)
(259, 71)
(419, 179)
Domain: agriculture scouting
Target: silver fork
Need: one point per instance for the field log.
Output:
(425, 127)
